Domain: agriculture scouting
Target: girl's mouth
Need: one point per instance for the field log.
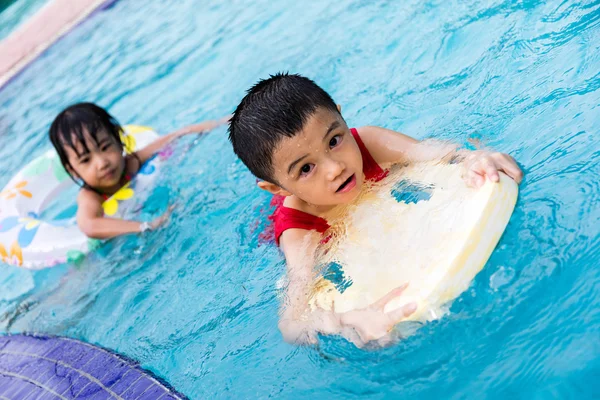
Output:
(109, 174)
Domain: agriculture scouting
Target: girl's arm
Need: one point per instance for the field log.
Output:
(389, 147)
(300, 325)
(147, 152)
(93, 223)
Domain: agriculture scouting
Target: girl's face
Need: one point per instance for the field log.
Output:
(99, 163)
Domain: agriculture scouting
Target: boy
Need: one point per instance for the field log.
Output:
(291, 135)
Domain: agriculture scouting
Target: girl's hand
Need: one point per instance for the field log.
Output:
(150, 150)
(160, 221)
(203, 127)
(372, 323)
(479, 164)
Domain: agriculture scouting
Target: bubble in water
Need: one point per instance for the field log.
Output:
(502, 277)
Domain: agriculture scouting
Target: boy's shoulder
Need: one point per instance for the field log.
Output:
(385, 146)
(369, 135)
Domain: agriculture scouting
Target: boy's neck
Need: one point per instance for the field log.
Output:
(299, 204)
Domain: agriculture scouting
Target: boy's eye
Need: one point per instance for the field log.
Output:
(84, 160)
(335, 141)
(306, 168)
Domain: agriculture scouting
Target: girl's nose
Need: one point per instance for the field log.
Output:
(102, 162)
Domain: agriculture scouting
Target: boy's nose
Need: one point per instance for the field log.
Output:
(335, 168)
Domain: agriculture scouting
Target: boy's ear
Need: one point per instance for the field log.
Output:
(273, 188)
(339, 107)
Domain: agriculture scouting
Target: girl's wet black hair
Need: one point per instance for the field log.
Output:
(69, 127)
(273, 109)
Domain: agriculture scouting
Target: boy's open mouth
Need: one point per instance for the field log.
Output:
(347, 185)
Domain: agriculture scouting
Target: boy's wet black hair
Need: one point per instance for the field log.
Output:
(273, 109)
(69, 127)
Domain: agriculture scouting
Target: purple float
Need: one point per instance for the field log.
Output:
(57, 368)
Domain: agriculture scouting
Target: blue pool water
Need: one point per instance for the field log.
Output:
(16, 13)
(197, 302)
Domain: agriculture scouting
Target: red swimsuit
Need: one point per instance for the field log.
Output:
(285, 218)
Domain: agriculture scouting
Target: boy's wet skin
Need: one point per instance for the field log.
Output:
(322, 164)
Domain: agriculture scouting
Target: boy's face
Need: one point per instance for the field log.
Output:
(321, 165)
(101, 166)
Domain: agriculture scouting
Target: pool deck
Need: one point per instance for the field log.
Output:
(39, 32)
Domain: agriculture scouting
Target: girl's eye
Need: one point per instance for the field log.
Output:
(105, 147)
(306, 168)
(335, 141)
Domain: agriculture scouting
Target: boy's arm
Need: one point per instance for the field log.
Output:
(296, 323)
(389, 147)
(147, 152)
(300, 325)
(93, 223)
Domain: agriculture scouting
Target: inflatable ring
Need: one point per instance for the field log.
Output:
(31, 241)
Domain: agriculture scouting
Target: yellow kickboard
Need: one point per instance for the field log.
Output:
(437, 245)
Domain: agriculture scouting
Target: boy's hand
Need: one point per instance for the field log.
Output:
(372, 323)
(479, 164)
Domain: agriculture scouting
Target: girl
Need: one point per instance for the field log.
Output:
(88, 142)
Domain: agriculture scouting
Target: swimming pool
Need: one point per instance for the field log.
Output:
(197, 304)
(13, 13)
